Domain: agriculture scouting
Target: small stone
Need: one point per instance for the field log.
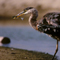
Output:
(25, 57)
(12, 49)
(13, 53)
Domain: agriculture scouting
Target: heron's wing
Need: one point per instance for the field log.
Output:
(50, 24)
(52, 19)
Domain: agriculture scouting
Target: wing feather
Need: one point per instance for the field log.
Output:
(50, 24)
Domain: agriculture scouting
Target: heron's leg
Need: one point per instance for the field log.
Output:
(56, 50)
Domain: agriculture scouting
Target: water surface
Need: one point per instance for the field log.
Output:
(30, 39)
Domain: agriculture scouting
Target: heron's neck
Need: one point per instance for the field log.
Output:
(32, 19)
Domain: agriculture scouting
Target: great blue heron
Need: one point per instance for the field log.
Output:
(49, 24)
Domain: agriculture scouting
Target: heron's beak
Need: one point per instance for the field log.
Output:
(18, 15)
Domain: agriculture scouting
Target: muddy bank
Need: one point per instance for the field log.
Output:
(19, 54)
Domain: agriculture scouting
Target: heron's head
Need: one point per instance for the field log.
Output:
(25, 11)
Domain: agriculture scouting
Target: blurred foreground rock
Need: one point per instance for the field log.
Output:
(4, 40)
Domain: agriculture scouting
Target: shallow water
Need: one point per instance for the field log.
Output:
(30, 39)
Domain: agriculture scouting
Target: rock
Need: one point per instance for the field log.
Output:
(4, 40)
